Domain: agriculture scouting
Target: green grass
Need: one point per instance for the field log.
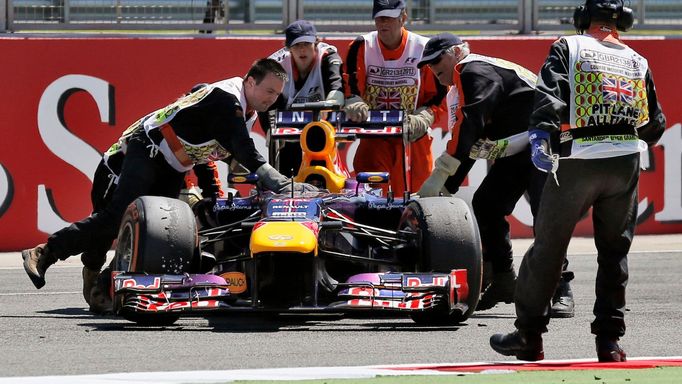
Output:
(664, 375)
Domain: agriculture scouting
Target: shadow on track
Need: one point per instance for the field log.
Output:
(272, 322)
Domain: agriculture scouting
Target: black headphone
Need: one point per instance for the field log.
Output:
(582, 16)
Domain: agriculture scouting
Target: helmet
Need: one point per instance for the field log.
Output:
(603, 10)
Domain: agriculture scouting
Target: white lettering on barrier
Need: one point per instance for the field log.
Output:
(672, 197)
(63, 143)
(6, 190)
(671, 141)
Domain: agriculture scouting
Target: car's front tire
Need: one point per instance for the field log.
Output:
(157, 235)
(449, 239)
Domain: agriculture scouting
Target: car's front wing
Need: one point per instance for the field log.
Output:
(404, 291)
(364, 292)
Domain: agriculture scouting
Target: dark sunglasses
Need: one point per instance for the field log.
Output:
(437, 59)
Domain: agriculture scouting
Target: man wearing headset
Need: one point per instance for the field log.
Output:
(489, 103)
(595, 111)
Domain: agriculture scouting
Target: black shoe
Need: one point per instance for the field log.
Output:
(563, 305)
(36, 262)
(608, 350)
(100, 301)
(500, 290)
(525, 346)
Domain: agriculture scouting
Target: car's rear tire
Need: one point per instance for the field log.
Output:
(157, 235)
(450, 240)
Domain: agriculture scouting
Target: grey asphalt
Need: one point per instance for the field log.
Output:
(50, 332)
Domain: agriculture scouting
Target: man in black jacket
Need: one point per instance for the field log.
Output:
(208, 124)
(595, 110)
(489, 103)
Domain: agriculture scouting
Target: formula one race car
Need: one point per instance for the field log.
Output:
(342, 249)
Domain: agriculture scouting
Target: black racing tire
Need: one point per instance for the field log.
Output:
(450, 240)
(157, 235)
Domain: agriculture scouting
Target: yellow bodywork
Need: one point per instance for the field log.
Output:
(333, 182)
(283, 236)
(327, 155)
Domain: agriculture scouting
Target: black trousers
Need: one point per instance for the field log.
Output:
(609, 187)
(103, 187)
(142, 174)
(506, 182)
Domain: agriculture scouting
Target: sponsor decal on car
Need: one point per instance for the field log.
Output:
(236, 281)
(141, 284)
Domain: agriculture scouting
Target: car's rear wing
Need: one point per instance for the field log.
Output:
(289, 124)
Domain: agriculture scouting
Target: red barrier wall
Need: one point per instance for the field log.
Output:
(64, 101)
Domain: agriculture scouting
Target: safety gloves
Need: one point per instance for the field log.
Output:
(269, 178)
(418, 124)
(539, 146)
(445, 167)
(335, 97)
(356, 109)
(495, 149)
(299, 188)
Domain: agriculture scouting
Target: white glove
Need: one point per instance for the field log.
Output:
(336, 97)
(494, 149)
(270, 179)
(356, 109)
(418, 124)
(445, 167)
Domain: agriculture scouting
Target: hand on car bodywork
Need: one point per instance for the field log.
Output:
(299, 188)
(418, 124)
(356, 109)
(269, 178)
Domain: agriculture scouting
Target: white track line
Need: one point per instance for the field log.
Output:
(310, 373)
(40, 293)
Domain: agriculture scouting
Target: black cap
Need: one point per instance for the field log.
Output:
(437, 45)
(300, 31)
(387, 8)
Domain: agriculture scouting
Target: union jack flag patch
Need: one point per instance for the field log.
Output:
(615, 90)
(388, 99)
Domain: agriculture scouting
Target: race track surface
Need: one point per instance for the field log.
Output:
(50, 331)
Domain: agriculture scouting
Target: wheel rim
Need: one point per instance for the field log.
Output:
(124, 249)
(409, 222)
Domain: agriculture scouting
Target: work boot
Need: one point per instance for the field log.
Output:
(563, 305)
(524, 345)
(100, 301)
(608, 350)
(36, 261)
(501, 289)
(89, 281)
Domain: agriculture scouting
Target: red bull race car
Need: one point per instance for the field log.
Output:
(346, 248)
